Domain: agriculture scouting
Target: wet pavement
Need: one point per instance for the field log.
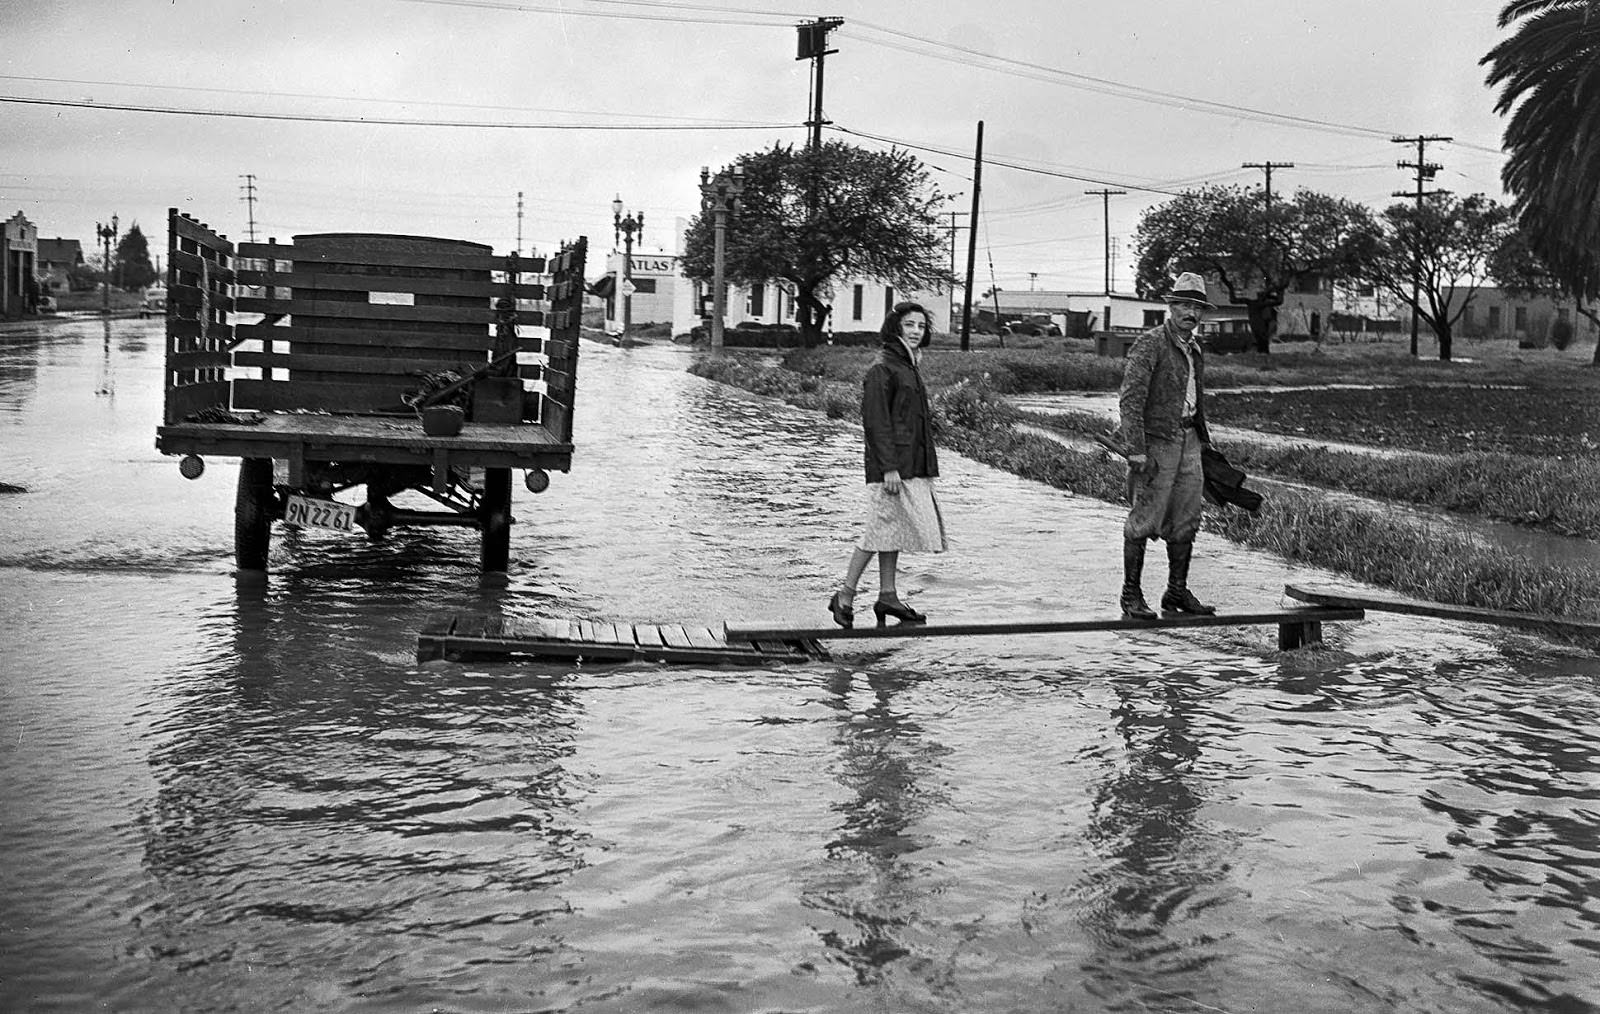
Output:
(254, 800)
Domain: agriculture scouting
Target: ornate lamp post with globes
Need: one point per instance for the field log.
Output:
(625, 227)
(720, 196)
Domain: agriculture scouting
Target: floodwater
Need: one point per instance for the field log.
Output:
(218, 800)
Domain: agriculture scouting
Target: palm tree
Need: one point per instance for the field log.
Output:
(1548, 72)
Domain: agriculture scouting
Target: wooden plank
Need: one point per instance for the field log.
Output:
(648, 635)
(405, 259)
(673, 636)
(377, 337)
(367, 311)
(282, 395)
(605, 632)
(800, 632)
(184, 400)
(183, 361)
(424, 284)
(1331, 596)
(377, 365)
(703, 637)
(190, 264)
(188, 228)
(585, 631)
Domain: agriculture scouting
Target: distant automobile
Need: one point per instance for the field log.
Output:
(47, 304)
(1033, 327)
(155, 301)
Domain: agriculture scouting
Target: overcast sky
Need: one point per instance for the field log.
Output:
(1137, 95)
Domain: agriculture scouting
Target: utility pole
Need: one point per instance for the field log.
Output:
(972, 243)
(1105, 198)
(1268, 167)
(1425, 171)
(814, 46)
(953, 228)
(519, 223)
(249, 198)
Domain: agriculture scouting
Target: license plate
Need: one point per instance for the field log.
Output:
(313, 513)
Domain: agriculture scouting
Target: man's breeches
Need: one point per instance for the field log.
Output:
(1167, 504)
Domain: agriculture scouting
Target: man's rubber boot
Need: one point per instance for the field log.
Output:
(1134, 607)
(1178, 598)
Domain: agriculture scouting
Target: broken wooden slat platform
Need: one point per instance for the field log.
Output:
(469, 635)
(1296, 627)
(1329, 595)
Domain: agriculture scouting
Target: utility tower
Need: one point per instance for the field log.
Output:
(814, 46)
(1425, 171)
(519, 223)
(1268, 167)
(249, 199)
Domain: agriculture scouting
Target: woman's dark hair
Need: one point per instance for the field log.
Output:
(890, 331)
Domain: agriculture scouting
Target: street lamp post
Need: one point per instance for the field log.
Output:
(720, 196)
(626, 227)
(107, 234)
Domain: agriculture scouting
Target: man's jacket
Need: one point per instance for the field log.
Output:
(1153, 384)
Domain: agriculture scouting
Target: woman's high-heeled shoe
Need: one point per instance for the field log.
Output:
(899, 610)
(843, 615)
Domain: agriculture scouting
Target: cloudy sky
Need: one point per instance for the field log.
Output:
(428, 116)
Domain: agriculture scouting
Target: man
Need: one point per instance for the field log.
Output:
(1163, 427)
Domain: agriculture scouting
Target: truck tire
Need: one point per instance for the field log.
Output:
(496, 520)
(254, 508)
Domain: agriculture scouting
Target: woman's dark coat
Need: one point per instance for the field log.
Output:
(895, 415)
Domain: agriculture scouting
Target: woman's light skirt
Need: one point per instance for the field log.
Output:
(908, 523)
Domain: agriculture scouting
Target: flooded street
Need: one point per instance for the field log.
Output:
(220, 799)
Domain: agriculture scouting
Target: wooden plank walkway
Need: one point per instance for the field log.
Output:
(1296, 627)
(1329, 595)
(470, 635)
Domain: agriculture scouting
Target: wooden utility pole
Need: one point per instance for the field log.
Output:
(1425, 171)
(1105, 198)
(1267, 167)
(720, 196)
(972, 243)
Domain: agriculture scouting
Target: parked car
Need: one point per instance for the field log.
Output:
(155, 301)
(1035, 327)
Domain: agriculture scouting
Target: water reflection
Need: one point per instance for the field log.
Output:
(314, 797)
(1157, 863)
(888, 767)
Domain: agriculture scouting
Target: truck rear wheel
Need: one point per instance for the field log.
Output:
(496, 521)
(253, 510)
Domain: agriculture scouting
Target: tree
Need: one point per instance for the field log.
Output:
(876, 216)
(1549, 74)
(1517, 267)
(1451, 241)
(133, 269)
(1254, 251)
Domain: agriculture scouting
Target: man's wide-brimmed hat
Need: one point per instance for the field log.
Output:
(1192, 287)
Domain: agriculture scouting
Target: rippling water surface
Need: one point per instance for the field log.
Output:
(216, 800)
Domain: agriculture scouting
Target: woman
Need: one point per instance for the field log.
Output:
(902, 510)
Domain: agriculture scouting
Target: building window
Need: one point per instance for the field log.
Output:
(855, 302)
(644, 285)
(1494, 319)
(1153, 318)
(1311, 284)
(1521, 317)
(757, 306)
(888, 300)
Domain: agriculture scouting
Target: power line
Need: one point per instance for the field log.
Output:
(567, 11)
(1268, 167)
(257, 93)
(386, 121)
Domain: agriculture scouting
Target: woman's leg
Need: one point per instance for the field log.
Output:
(888, 560)
(858, 564)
